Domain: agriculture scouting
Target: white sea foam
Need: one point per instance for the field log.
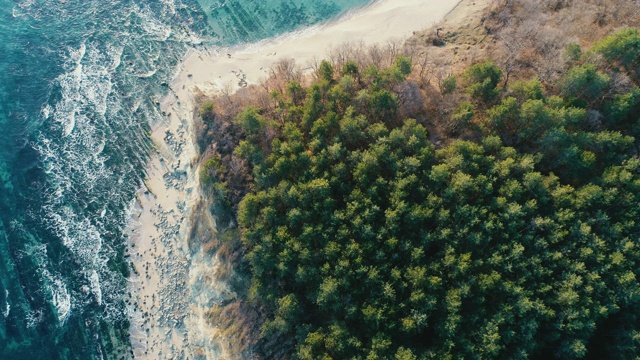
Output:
(33, 318)
(154, 28)
(147, 74)
(86, 85)
(79, 235)
(16, 13)
(90, 150)
(171, 6)
(66, 109)
(52, 284)
(116, 56)
(61, 299)
(46, 111)
(7, 307)
(94, 280)
(25, 6)
(76, 167)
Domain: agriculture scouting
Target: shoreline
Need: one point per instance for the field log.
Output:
(175, 283)
(223, 69)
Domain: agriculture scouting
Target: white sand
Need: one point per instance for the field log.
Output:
(378, 23)
(175, 286)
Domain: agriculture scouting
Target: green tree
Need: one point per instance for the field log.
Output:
(482, 81)
(365, 242)
(251, 122)
(583, 85)
(403, 65)
(527, 90)
(325, 71)
(295, 92)
(574, 52)
(623, 49)
(449, 85)
(351, 68)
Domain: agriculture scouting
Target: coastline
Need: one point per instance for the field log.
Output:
(174, 284)
(223, 69)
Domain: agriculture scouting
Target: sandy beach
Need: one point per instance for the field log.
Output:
(224, 69)
(175, 284)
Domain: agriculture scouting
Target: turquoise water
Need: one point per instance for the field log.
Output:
(77, 83)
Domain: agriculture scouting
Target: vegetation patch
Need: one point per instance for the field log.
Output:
(514, 238)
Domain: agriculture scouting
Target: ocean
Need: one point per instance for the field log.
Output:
(79, 82)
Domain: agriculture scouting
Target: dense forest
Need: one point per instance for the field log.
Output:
(515, 238)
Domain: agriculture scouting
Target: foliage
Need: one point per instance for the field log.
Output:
(622, 48)
(210, 169)
(251, 122)
(207, 110)
(403, 64)
(583, 84)
(574, 52)
(463, 113)
(325, 71)
(482, 81)
(528, 90)
(365, 241)
(449, 84)
(350, 68)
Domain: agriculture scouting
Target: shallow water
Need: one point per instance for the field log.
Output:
(78, 84)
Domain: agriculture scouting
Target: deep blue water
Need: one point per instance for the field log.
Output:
(77, 79)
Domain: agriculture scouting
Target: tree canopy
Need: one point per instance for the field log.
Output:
(365, 241)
